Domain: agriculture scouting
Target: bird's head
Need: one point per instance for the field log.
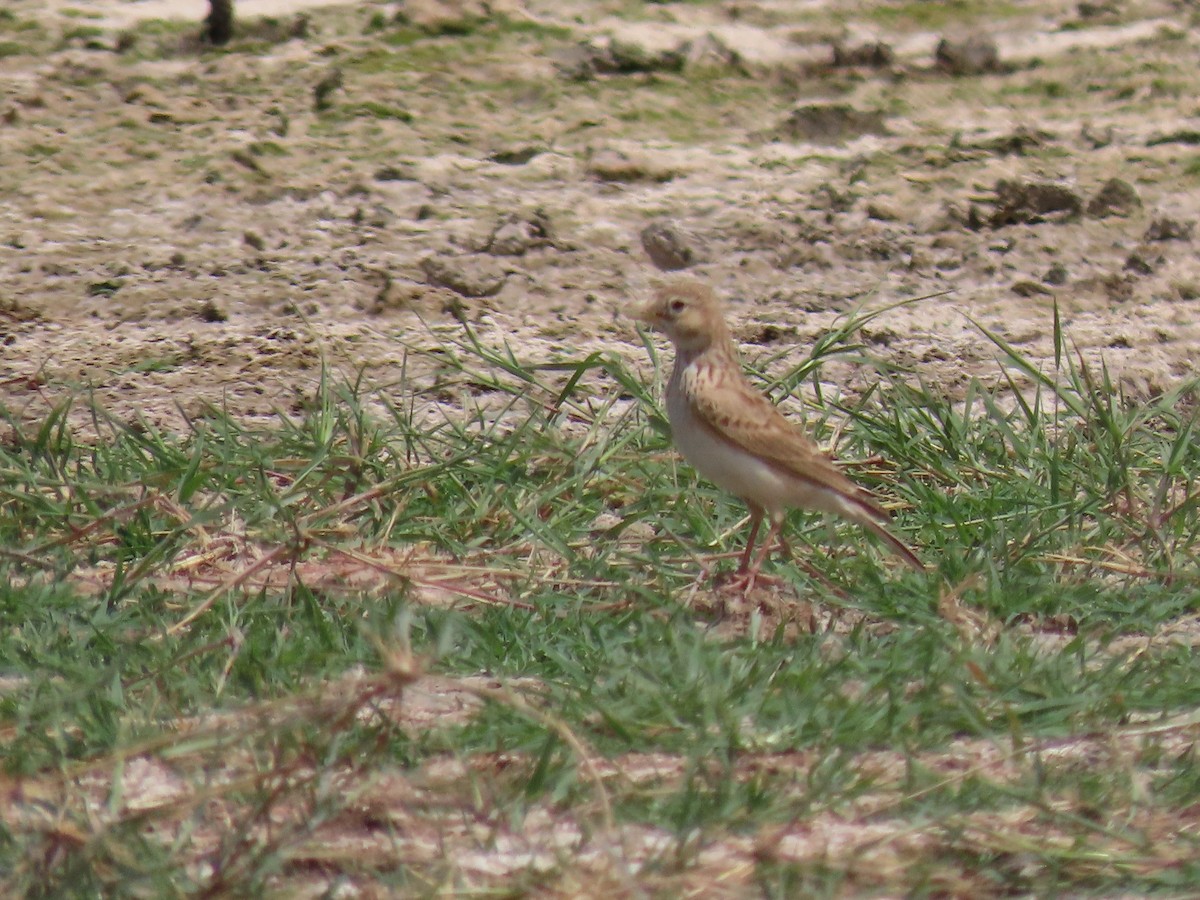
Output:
(687, 312)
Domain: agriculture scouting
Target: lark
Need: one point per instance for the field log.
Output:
(735, 437)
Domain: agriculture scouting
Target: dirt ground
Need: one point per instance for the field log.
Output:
(181, 227)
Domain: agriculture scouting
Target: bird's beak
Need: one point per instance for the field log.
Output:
(645, 313)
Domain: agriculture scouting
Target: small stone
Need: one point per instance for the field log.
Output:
(871, 55)
(1016, 142)
(667, 247)
(883, 211)
(146, 95)
(1057, 275)
(627, 57)
(1115, 198)
(1138, 264)
(617, 56)
(1165, 228)
(392, 173)
(470, 276)
(710, 52)
(392, 295)
(324, 89)
(1088, 10)
(443, 17)
(1021, 202)
(516, 235)
(976, 55)
(614, 165)
(829, 123)
(1031, 289)
(517, 156)
(209, 311)
(1185, 289)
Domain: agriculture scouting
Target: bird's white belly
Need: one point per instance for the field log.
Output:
(741, 473)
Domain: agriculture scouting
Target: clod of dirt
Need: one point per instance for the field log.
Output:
(1016, 142)
(392, 295)
(710, 52)
(146, 95)
(871, 55)
(209, 311)
(1115, 198)
(883, 211)
(1092, 11)
(393, 173)
(832, 199)
(517, 156)
(1057, 275)
(668, 248)
(324, 89)
(1027, 202)
(1139, 262)
(437, 17)
(616, 56)
(1182, 136)
(768, 334)
(1185, 289)
(1096, 138)
(976, 55)
(626, 56)
(516, 234)
(829, 123)
(615, 165)
(470, 276)
(1028, 288)
(12, 311)
(1164, 228)
(1117, 287)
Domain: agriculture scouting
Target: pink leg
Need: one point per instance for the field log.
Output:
(748, 570)
(764, 551)
(756, 515)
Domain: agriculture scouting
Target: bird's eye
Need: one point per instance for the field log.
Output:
(676, 307)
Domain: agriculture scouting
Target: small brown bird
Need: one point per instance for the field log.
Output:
(735, 436)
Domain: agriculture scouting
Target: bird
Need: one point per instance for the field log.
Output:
(734, 436)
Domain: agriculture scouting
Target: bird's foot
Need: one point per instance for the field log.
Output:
(743, 581)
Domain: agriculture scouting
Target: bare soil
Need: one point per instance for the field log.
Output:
(183, 227)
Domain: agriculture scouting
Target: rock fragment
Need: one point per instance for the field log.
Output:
(974, 55)
(1030, 202)
(469, 276)
(829, 123)
(668, 247)
(1115, 198)
(1164, 228)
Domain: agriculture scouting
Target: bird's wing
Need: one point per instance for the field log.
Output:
(735, 411)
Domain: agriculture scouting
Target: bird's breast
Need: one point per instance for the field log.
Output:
(718, 459)
(729, 465)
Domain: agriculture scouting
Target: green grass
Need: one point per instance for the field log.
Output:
(237, 611)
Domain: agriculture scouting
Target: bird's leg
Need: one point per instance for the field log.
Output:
(747, 574)
(756, 514)
(765, 550)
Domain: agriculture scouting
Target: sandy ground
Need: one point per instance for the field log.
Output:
(180, 227)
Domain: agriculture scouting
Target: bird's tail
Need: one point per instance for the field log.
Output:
(894, 543)
(858, 506)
